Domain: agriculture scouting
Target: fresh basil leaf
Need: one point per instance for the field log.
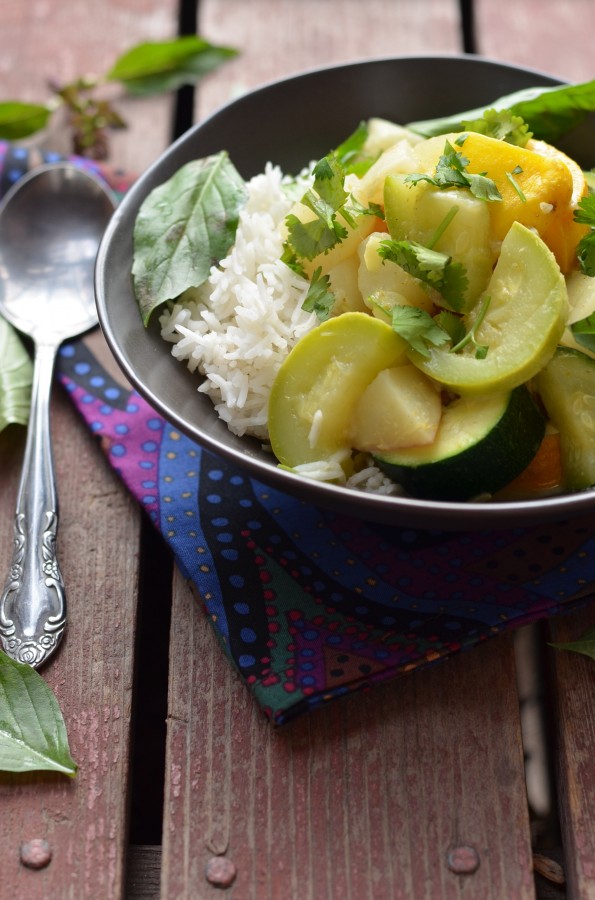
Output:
(19, 120)
(156, 67)
(549, 112)
(16, 375)
(585, 644)
(32, 731)
(183, 228)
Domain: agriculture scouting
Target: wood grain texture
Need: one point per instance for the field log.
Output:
(281, 37)
(362, 799)
(574, 725)
(84, 819)
(546, 35)
(366, 797)
(46, 40)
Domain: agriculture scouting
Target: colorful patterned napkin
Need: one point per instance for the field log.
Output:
(309, 604)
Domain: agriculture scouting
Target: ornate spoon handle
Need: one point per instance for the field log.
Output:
(32, 604)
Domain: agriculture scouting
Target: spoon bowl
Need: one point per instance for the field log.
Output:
(51, 223)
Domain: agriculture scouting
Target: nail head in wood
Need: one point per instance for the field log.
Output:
(36, 853)
(220, 871)
(463, 860)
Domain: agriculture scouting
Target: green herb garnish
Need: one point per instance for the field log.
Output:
(32, 731)
(549, 112)
(183, 228)
(418, 328)
(451, 172)
(502, 125)
(585, 215)
(435, 269)
(319, 299)
(584, 332)
(511, 177)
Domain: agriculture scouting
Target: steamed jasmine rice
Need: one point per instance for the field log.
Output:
(240, 325)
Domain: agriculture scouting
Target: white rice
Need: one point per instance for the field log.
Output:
(239, 327)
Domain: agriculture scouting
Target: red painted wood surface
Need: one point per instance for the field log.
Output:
(365, 798)
(548, 35)
(84, 820)
(574, 726)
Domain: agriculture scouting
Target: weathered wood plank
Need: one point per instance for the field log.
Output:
(364, 798)
(280, 37)
(546, 35)
(84, 820)
(574, 726)
(43, 41)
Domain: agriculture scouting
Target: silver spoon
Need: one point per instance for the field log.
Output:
(51, 223)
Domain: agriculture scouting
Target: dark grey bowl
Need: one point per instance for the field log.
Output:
(290, 122)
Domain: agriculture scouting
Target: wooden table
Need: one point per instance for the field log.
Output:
(375, 797)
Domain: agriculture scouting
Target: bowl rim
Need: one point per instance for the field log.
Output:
(391, 509)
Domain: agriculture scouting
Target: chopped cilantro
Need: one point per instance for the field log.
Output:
(334, 208)
(319, 299)
(481, 351)
(452, 324)
(585, 215)
(451, 172)
(418, 328)
(511, 177)
(435, 269)
(350, 153)
(501, 124)
(584, 332)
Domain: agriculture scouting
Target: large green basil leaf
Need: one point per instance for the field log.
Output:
(19, 120)
(155, 67)
(184, 227)
(32, 730)
(16, 373)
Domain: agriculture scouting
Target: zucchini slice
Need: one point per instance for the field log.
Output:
(482, 444)
(567, 389)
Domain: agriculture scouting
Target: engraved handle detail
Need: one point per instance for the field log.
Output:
(32, 604)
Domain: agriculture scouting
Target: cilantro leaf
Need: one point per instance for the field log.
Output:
(585, 215)
(319, 299)
(450, 172)
(503, 125)
(418, 328)
(452, 324)
(350, 152)
(310, 239)
(584, 332)
(481, 351)
(435, 269)
(330, 203)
